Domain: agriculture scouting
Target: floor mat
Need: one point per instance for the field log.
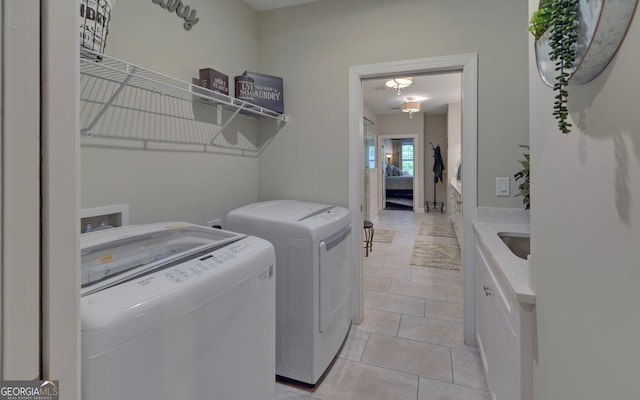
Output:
(437, 229)
(435, 255)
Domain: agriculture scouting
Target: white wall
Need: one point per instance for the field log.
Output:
(585, 227)
(435, 131)
(173, 182)
(454, 138)
(370, 115)
(313, 45)
(224, 38)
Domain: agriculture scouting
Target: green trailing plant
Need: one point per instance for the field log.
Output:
(560, 18)
(540, 19)
(563, 37)
(523, 175)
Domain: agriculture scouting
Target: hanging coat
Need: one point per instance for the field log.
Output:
(438, 164)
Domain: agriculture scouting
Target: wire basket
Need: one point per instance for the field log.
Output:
(94, 26)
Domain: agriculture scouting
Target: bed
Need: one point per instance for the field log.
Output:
(398, 184)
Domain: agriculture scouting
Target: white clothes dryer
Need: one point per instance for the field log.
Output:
(313, 290)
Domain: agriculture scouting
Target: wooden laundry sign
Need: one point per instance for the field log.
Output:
(182, 11)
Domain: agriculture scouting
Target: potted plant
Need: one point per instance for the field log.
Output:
(540, 19)
(556, 22)
(523, 175)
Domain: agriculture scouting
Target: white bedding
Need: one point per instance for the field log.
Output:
(403, 182)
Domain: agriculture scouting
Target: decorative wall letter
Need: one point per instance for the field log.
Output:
(182, 11)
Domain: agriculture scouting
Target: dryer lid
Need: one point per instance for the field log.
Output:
(288, 218)
(284, 210)
(111, 256)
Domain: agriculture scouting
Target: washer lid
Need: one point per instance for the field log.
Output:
(146, 303)
(111, 256)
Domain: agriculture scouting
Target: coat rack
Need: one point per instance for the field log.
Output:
(438, 169)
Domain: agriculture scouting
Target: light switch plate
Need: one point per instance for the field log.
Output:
(502, 187)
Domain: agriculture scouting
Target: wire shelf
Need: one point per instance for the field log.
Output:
(121, 74)
(105, 67)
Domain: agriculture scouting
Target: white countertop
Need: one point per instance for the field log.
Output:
(457, 185)
(514, 270)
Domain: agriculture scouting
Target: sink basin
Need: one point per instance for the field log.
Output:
(519, 244)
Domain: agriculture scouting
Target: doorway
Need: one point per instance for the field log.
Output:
(467, 64)
(398, 173)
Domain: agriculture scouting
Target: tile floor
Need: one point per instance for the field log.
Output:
(410, 344)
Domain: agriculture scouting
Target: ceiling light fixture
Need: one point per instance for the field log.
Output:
(410, 106)
(398, 83)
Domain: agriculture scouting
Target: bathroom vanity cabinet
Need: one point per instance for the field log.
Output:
(504, 331)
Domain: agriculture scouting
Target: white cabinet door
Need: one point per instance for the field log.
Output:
(496, 338)
(481, 311)
(502, 347)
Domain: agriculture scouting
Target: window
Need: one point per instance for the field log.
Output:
(369, 144)
(407, 158)
(372, 156)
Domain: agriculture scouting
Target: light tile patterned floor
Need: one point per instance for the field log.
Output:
(410, 345)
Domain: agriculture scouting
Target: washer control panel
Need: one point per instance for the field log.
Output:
(202, 265)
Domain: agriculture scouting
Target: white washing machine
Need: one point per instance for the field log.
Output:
(177, 311)
(313, 290)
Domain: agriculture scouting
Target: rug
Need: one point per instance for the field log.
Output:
(435, 255)
(437, 229)
(384, 235)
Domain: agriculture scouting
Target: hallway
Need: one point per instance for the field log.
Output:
(410, 345)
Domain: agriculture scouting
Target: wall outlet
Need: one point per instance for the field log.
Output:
(214, 222)
(502, 187)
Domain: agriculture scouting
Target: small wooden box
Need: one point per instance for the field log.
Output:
(214, 80)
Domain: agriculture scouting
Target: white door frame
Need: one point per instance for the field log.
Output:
(61, 195)
(20, 188)
(418, 158)
(468, 64)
